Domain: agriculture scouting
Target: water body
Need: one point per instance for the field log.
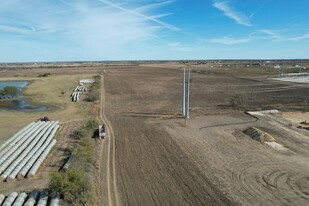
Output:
(19, 104)
(19, 85)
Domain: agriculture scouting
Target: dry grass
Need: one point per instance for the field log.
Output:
(47, 92)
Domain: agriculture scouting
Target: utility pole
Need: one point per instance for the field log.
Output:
(188, 97)
(184, 93)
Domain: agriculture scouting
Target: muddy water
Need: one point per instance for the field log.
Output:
(19, 104)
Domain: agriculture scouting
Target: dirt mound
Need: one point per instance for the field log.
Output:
(259, 135)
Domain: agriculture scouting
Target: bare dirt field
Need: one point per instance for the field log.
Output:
(209, 162)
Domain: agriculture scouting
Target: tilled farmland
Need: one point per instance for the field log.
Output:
(159, 161)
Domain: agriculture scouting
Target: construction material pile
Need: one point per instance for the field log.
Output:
(259, 135)
(77, 91)
(22, 154)
(35, 198)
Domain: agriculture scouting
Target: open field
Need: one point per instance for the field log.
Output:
(151, 158)
(209, 162)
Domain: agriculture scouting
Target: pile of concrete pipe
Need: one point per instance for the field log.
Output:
(22, 154)
(35, 198)
(77, 91)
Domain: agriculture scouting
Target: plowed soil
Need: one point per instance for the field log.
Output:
(159, 161)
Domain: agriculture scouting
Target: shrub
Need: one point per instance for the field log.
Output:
(91, 124)
(93, 96)
(9, 91)
(72, 184)
(237, 101)
(44, 75)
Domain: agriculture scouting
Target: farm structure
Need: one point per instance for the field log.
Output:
(39, 198)
(77, 92)
(22, 154)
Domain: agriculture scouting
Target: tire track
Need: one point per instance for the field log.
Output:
(111, 162)
(271, 176)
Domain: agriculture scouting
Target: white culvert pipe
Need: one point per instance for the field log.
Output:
(78, 96)
(38, 163)
(32, 199)
(18, 149)
(45, 138)
(6, 152)
(2, 197)
(43, 198)
(10, 199)
(76, 89)
(15, 135)
(20, 199)
(34, 157)
(17, 138)
(68, 163)
(28, 149)
(55, 200)
(75, 96)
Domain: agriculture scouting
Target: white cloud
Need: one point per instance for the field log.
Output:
(98, 29)
(177, 46)
(230, 41)
(14, 29)
(136, 13)
(230, 12)
(298, 38)
(261, 35)
(277, 35)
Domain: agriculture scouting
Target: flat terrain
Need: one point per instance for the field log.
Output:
(210, 161)
(45, 91)
(151, 158)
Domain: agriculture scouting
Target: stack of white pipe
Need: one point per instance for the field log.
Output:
(36, 142)
(17, 140)
(35, 198)
(38, 163)
(32, 199)
(16, 136)
(26, 149)
(20, 199)
(47, 137)
(22, 173)
(10, 199)
(18, 148)
(76, 93)
(2, 197)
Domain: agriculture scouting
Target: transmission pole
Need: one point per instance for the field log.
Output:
(184, 93)
(188, 97)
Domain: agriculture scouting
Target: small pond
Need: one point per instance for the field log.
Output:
(19, 104)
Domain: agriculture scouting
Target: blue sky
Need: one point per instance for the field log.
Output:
(94, 30)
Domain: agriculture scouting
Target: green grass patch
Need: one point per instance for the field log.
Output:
(73, 184)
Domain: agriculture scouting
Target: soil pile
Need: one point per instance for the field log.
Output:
(259, 135)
